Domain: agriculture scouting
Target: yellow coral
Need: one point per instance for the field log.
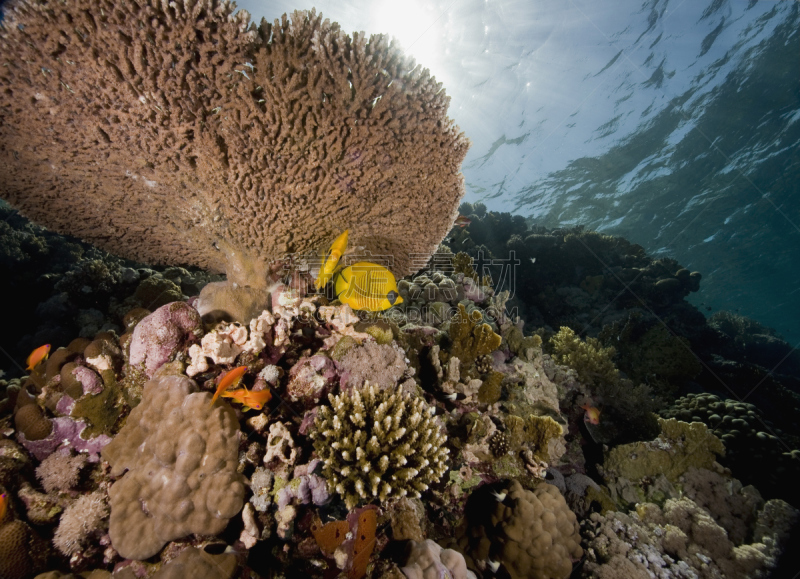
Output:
(589, 358)
(471, 339)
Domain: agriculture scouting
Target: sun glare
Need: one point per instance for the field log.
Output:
(413, 24)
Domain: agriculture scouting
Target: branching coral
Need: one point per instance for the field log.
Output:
(379, 443)
(589, 358)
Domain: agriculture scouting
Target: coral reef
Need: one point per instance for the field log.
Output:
(427, 560)
(747, 435)
(529, 534)
(181, 458)
(379, 443)
(199, 105)
(679, 540)
(81, 523)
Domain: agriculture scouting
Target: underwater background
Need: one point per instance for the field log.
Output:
(594, 374)
(673, 124)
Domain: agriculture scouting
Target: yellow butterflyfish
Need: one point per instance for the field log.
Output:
(338, 247)
(367, 286)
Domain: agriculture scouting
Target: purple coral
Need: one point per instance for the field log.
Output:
(306, 487)
(311, 379)
(66, 433)
(91, 382)
(162, 334)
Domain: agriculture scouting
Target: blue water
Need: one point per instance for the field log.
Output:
(671, 123)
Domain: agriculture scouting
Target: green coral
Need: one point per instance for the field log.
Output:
(471, 339)
(462, 263)
(378, 329)
(342, 347)
(491, 389)
(533, 432)
(379, 444)
(519, 343)
(589, 358)
(678, 447)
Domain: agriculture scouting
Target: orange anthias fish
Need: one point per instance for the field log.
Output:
(231, 379)
(3, 506)
(37, 356)
(249, 398)
(462, 221)
(592, 415)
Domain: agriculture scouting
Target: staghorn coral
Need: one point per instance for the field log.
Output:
(380, 443)
(181, 456)
(197, 155)
(530, 534)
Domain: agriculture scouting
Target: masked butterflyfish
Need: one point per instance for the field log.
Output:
(367, 286)
(338, 248)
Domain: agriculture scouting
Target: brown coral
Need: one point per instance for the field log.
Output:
(181, 133)
(531, 534)
(15, 561)
(181, 455)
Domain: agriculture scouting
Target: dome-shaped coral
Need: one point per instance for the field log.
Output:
(531, 534)
(379, 443)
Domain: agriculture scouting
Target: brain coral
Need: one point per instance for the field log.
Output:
(179, 132)
(181, 458)
(531, 534)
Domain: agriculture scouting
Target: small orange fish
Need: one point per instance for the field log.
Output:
(37, 356)
(3, 506)
(592, 415)
(249, 398)
(462, 221)
(231, 379)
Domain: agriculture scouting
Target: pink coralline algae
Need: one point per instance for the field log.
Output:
(91, 382)
(310, 380)
(66, 433)
(306, 487)
(162, 334)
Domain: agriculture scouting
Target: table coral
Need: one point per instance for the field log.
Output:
(207, 149)
(181, 455)
(379, 443)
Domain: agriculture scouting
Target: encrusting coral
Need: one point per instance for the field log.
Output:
(379, 443)
(181, 456)
(243, 145)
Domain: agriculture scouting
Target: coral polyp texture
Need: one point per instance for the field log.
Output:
(531, 534)
(379, 444)
(180, 132)
(181, 456)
